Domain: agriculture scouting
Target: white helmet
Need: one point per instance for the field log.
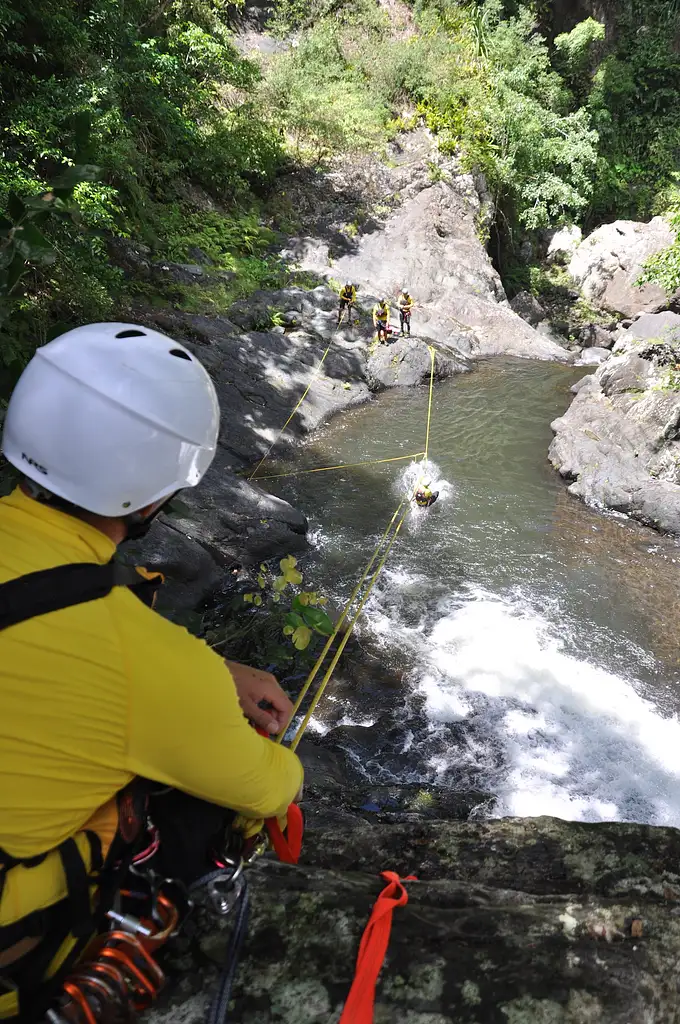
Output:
(112, 417)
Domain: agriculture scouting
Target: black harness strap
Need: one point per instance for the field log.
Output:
(77, 882)
(50, 590)
(22, 599)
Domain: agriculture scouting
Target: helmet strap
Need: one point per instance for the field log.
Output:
(137, 525)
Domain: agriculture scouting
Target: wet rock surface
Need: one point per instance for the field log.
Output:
(522, 920)
(619, 442)
(407, 362)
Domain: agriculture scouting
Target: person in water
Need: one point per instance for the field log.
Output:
(425, 496)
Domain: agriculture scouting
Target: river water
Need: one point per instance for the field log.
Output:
(535, 640)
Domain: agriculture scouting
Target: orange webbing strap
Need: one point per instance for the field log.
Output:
(286, 847)
(374, 942)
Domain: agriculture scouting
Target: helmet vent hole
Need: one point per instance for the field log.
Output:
(131, 334)
(180, 353)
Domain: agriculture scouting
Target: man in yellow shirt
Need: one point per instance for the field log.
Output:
(348, 296)
(106, 423)
(405, 305)
(381, 319)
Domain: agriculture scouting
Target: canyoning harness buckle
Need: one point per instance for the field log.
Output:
(224, 894)
(221, 890)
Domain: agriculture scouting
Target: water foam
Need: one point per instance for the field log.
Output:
(423, 472)
(554, 733)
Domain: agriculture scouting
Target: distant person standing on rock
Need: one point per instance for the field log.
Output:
(405, 305)
(381, 318)
(348, 296)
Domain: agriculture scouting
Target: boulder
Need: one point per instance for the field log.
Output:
(406, 362)
(592, 356)
(595, 336)
(528, 307)
(619, 442)
(607, 265)
(563, 243)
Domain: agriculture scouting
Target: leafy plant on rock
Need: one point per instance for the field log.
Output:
(277, 624)
(24, 246)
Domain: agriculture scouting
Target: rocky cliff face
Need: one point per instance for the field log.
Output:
(423, 233)
(620, 440)
(518, 921)
(606, 266)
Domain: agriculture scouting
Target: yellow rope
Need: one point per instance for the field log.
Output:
(299, 403)
(429, 403)
(338, 626)
(344, 465)
(348, 632)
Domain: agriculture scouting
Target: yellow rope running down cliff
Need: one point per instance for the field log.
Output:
(399, 516)
(297, 406)
(343, 465)
(429, 403)
(329, 642)
(348, 632)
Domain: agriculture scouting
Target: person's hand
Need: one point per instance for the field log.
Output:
(255, 687)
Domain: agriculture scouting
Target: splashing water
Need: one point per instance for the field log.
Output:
(426, 472)
(531, 644)
(574, 740)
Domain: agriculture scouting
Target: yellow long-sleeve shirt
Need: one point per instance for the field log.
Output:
(95, 694)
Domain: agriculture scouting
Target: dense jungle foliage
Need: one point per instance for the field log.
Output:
(140, 120)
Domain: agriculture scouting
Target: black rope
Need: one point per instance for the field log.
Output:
(219, 1008)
